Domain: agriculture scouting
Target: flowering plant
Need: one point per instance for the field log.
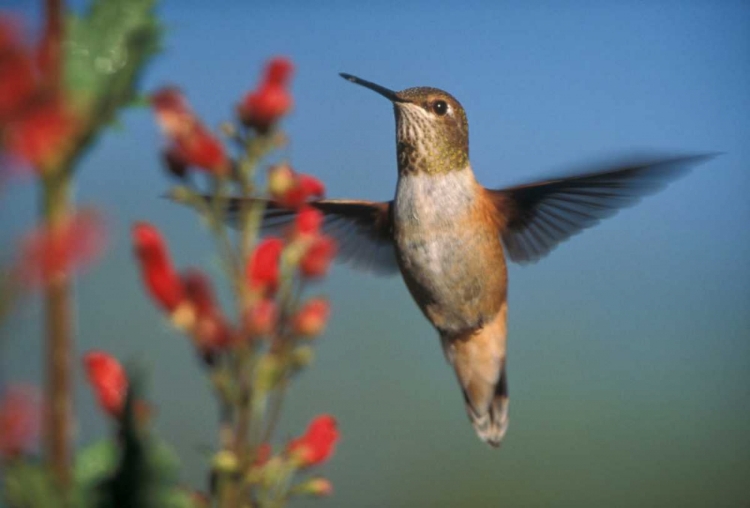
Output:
(51, 109)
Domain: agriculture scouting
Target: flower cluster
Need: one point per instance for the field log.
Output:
(253, 357)
(188, 297)
(190, 141)
(311, 449)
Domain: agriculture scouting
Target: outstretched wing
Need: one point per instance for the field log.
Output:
(362, 229)
(540, 215)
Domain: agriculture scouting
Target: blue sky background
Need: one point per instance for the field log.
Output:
(629, 360)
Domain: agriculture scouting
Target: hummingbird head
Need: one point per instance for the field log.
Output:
(432, 133)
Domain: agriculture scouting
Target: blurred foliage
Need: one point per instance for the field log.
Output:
(106, 50)
(132, 469)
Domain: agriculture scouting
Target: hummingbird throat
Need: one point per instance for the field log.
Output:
(425, 144)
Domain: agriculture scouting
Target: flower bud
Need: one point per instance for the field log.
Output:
(317, 258)
(308, 221)
(260, 317)
(191, 143)
(290, 189)
(263, 107)
(311, 319)
(108, 380)
(302, 356)
(262, 270)
(267, 372)
(157, 271)
(281, 178)
(318, 487)
(225, 462)
(317, 444)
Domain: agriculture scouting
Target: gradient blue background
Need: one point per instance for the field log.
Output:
(629, 357)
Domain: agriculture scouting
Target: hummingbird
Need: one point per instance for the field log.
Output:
(449, 237)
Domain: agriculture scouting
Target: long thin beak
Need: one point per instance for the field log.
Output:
(385, 92)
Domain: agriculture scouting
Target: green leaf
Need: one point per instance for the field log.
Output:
(28, 484)
(140, 470)
(93, 466)
(106, 51)
(96, 462)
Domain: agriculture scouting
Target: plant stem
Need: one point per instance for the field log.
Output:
(58, 425)
(51, 46)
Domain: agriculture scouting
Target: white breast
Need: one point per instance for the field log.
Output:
(433, 201)
(428, 216)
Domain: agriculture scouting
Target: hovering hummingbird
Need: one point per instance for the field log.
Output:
(448, 236)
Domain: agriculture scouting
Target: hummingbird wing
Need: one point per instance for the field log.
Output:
(362, 229)
(536, 217)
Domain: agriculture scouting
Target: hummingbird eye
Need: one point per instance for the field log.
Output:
(440, 107)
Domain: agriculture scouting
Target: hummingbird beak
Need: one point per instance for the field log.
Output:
(385, 92)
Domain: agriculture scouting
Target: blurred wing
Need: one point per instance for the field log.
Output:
(540, 215)
(362, 229)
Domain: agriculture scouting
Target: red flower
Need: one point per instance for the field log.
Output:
(20, 79)
(108, 379)
(262, 108)
(159, 275)
(308, 221)
(262, 270)
(291, 189)
(42, 134)
(211, 327)
(192, 144)
(260, 317)
(47, 253)
(317, 444)
(318, 257)
(312, 318)
(19, 420)
(36, 125)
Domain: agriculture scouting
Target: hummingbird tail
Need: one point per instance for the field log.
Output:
(492, 425)
(478, 357)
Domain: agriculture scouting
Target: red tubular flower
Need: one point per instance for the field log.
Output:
(42, 134)
(308, 221)
(262, 108)
(19, 421)
(173, 113)
(211, 327)
(20, 79)
(159, 275)
(262, 270)
(317, 444)
(260, 317)
(47, 254)
(312, 318)
(318, 257)
(36, 125)
(291, 189)
(108, 380)
(191, 143)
